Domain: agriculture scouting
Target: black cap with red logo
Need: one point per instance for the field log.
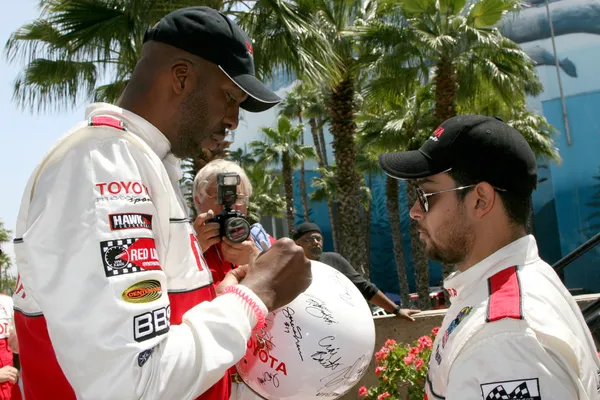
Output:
(485, 148)
(207, 33)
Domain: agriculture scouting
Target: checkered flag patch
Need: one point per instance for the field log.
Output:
(498, 393)
(524, 389)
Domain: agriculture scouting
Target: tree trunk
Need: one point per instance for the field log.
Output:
(322, 164)
(322, 141)
(289, 191)
(418, 254)
(445, 107)
(303, 193)
(315, 135)
(333, 224)
(391, 190)
(341, 108)
(445, 90)
(368, 231)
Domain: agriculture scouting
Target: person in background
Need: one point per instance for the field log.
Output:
(308, 236)
(513, 330)
(221, 254)
(9, 375)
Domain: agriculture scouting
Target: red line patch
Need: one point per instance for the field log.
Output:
(505, 295)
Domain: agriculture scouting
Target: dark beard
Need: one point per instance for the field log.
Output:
(459, 241)
(194, 126)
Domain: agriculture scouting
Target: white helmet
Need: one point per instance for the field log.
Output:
(318, 346)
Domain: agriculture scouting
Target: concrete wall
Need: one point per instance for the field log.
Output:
(390, 327)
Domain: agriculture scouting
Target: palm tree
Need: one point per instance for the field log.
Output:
(266, 195)
(74, 42)
(7, 281)
(468, 53)
(281, 145)
(368, 165)
(334, 17)
(293, 106)
(325, 189)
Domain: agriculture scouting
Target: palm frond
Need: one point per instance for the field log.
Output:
(47, 84)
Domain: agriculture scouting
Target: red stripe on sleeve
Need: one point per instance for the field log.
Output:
(505, 295)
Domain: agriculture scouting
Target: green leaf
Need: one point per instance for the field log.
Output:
(487, 13)
(283, 124)
(452, 7)
(417, 6)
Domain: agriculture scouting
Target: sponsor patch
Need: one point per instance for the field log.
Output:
(126, 256)
(143, 292)
(144, 356)
(130, 221)
(122, 187)
(461, 315)
(151, 324)
(524, 389)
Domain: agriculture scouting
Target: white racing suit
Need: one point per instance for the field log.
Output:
(111, 273)
(513, 332)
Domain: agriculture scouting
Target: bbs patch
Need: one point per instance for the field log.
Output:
(126, 256)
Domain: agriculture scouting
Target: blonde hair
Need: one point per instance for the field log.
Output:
(207, 176)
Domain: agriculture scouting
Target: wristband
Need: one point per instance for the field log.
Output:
(258, 313)
(397, 310)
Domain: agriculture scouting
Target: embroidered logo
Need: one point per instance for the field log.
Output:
(461, 315)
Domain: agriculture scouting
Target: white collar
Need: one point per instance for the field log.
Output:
(135, 124)
(520, 252)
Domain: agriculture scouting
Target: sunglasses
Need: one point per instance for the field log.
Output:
(423, 197)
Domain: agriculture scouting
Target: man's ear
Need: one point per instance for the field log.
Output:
(181, 74)
(483, 199)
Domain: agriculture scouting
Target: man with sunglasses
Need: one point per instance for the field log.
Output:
(513, 331)
(308, 236)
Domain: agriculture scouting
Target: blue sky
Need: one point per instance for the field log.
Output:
(26, 137)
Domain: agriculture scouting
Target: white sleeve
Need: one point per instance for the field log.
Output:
(508, 365)
(90, 326)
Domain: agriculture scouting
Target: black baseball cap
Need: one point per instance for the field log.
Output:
(207, 33)
(305, 227)
(485, 148)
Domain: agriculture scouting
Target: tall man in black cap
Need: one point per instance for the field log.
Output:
(513, 331)
(114, 298)
(308, 235)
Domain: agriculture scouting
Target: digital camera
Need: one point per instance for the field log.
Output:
(234, 225)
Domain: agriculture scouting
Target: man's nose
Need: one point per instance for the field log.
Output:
(415, 211)
(232, 118)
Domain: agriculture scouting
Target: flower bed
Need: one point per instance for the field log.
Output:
(402, 369)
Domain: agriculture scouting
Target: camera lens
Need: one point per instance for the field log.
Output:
(237, 229)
